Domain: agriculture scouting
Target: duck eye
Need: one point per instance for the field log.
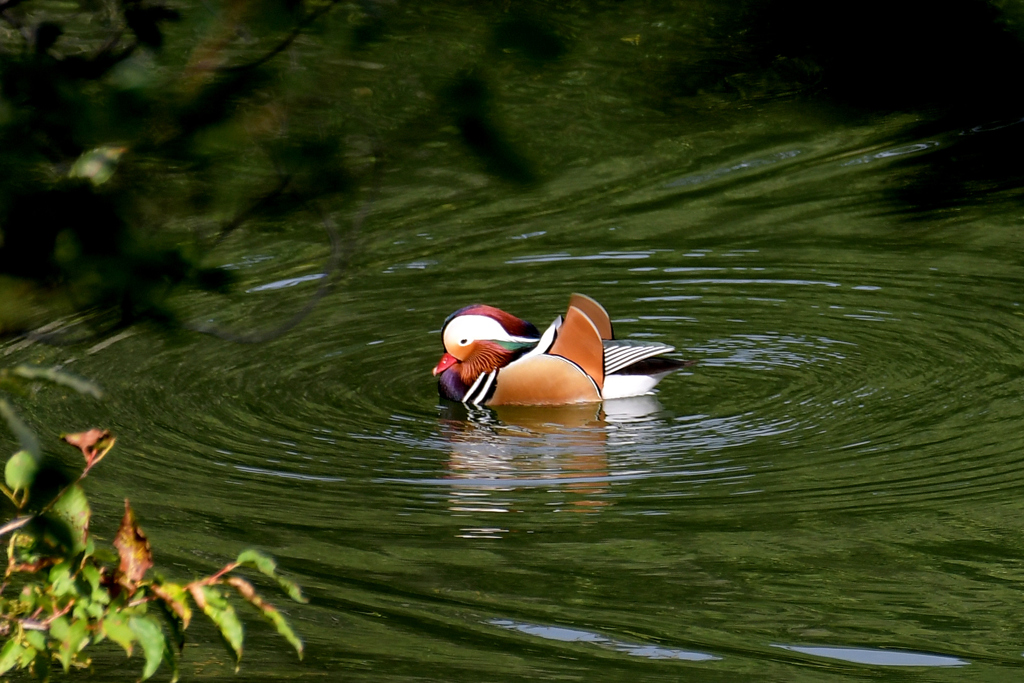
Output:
(463, 342)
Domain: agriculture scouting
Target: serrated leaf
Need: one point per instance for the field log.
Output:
(266, 565)
(20, 470)
(221, 613)
(133, 548)
(10, 655)
(171, 657)
(173, 596)
(82, 386)
(26, 437)
(269, 612)
(73, 508)
(151, 637)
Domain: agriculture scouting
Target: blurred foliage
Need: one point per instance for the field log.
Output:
(139, 135)
(62, 592)
(124, 124)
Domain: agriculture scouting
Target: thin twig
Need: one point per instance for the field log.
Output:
(340, 258)
(284, 44)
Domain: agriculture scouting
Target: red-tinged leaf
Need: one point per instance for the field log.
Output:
(133, 547)
(269, 612)
(267, 566)
(173, 596)
(196, 591)
(221, 613)
(94, 444)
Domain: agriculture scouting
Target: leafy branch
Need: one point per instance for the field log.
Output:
(60, 593)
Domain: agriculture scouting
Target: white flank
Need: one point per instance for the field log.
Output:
(625, 386)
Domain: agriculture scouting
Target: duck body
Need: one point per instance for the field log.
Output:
(494, 358)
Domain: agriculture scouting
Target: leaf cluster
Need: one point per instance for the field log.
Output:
(62, 592)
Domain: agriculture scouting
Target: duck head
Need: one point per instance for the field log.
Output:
(479, 339)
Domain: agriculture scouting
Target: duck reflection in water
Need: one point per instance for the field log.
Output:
(497, 451)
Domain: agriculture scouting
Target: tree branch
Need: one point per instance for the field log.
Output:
(284, 44)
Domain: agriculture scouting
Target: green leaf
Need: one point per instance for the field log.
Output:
(271, 613)
(173, 599)
(10, 655)
(61, 580)
(36, 639)
(73, 636)
(151, 637)
(221, 613)
(20, 471)
(82, 386)
(41, 664)
(73, 508)
(266, 565)
(27, 656)
(99, 593)
(26, 437)
(116, 628)
(97, 165)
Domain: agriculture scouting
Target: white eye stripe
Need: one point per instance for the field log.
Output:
(468, 328)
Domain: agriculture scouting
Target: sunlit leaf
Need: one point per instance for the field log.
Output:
(61, 580)
(221, 613)
(97, 165)
(82, 386)
(73, 508)
(36, 639)
(27, 655)
(173, 596)
(94, 444)
(133, 548)
(151, 637)
(116, 628)
(10, 655)
(266, 565)
(26, 437)
(271, 613)
(21, 470)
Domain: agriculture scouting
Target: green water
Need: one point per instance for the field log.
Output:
(832, 493)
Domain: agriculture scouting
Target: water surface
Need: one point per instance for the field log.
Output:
(833, 491)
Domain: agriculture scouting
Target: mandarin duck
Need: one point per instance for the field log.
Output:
(494, 358)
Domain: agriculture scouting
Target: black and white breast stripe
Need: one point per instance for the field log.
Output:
(620, 356)
(481, 390)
